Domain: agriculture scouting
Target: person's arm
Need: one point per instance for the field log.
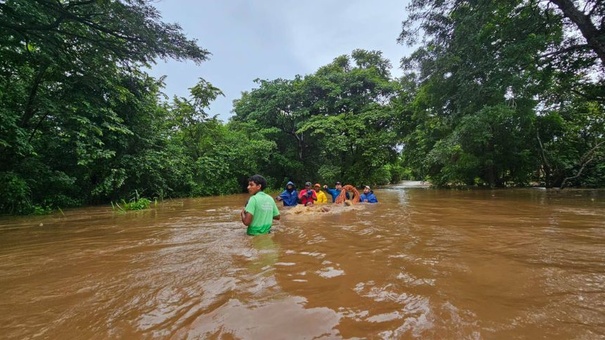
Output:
(276, 215)
(246, 217)
(373, 199)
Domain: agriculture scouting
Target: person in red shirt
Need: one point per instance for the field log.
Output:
(307, 196)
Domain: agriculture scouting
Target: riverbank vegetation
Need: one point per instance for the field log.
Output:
(496, 94)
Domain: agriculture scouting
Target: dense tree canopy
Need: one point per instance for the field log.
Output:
(74, 101)
(335, 124)
(495, 94)
(495, 81)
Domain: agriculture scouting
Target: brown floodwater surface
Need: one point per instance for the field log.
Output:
(422, 263)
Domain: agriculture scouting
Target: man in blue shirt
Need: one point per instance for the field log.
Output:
(368, 195)
(334, 192)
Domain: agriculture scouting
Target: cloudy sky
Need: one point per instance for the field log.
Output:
(271, 39)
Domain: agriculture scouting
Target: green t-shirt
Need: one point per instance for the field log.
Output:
(263, 209)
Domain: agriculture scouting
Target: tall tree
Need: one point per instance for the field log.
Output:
(587, 17)
(71, 80)
(477, 58)
(333, 124)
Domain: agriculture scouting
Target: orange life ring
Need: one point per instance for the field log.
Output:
(342, 197)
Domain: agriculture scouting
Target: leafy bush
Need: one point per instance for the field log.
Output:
(15, 196)
(136, 203)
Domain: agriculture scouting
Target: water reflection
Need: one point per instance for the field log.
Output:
(266, 253)
(420, 264)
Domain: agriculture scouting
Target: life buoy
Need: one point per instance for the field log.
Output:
(342, 197)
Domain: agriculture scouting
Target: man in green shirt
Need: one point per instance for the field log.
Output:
(261, 210)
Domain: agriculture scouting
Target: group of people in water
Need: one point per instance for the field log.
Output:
(316, 194)
(261, 210)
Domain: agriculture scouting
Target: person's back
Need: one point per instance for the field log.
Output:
(261, 210)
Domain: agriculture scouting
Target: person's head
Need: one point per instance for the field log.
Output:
(256, 183)
(366, 189)
(317, 186)
(290, 186)
(308, 186)
(338, 185)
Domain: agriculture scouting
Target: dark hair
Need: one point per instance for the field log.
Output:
(258, 179)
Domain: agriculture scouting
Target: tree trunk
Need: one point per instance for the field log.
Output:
(594, 36)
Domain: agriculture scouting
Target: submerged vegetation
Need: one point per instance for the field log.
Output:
(496, 94)
(135, 203)
(139, 204)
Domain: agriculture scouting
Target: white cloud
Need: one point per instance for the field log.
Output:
(273, 39)
(320, 31)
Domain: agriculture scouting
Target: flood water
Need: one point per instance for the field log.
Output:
(422, 263)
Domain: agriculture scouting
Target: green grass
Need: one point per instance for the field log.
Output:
(136, 203)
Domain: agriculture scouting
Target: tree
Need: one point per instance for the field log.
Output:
(476, 58)
(587, 17)
(71, 84)
(333, 124)
(189, 117)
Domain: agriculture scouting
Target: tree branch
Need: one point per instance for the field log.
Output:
(33, 92)
(586, 159)
(593, 36)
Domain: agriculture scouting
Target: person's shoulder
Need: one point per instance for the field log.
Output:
(261, 195)
(265, 196)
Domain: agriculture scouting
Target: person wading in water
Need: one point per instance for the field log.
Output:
(261, 210)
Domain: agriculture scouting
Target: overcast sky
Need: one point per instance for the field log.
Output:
(271, 39)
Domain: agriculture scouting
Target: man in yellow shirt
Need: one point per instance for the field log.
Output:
(321, 196)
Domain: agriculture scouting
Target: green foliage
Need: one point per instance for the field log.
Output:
(15, 195)
(501, 90)
(572, 144)
(329, 173)
(38, 210)
(336, 124)
(135, 203)
(496, 94)
(140, 204)
(80, 122)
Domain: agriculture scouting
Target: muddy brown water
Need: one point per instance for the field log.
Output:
(423, 263)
